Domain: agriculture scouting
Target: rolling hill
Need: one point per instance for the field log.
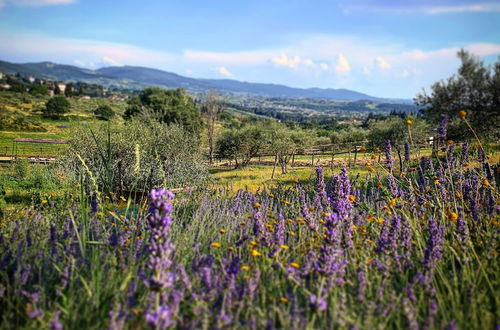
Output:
(134, 77)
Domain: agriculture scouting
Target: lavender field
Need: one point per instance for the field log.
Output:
(416, 249)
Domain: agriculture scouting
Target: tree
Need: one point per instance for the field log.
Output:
(104, 112)
(56, 107)
(211, 108)
(172, 106)
(476, 89)
(69, 91)
(241, 145)
(40, 90)
(395, 129)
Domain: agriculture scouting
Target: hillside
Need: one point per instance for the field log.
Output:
(133, 77)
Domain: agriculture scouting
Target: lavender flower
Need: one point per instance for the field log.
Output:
(317, 303)
(443, 128)
(160, 259)
(389, 159)
(407, 151)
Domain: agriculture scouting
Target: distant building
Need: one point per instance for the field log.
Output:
(61, 87)
(5, 86)
(31, 79)
(1, 75)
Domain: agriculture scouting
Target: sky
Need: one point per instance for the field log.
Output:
(385, 48)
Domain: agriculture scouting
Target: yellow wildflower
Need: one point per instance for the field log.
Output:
(216, 244)
(452, 216)
(255, 253)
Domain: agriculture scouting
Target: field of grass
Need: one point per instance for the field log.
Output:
(325, 251)
(30, 106)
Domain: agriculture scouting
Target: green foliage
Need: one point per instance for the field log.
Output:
(56, 107)
(17, 88)
(14, 121)
(476, 89)
(39, 90)
(241, 145)
(21, 168)
(395, 130)
(140, 155)
(172, 106)
(104, 112)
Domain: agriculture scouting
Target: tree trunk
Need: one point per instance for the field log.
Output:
(349, 147)
(333, 156)
(274, 166)
(400, 160)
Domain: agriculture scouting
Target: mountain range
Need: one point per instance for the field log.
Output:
(135, 77)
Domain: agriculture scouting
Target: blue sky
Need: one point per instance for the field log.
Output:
(384, 48)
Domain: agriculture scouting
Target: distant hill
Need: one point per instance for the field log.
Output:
(133, 77)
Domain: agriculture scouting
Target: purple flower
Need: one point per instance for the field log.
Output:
(317, 303)
(161, 318)
(389, 159)
(320, 199)
(407, 151)
(160, 262)
(361, 285)
(55, 323)
(443, 128)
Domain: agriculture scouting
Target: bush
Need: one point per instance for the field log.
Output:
(138, 156)
(172, 106)
(104, 112)
(14, 121)
(56, 107)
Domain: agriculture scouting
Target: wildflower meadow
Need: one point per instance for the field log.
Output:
(416, 249)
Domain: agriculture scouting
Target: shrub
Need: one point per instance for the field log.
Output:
(137, 156)
(104, 112)
(167, 106)
(56, 107)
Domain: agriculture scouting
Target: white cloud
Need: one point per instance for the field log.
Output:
(382, 63)
(311, 61)
(308, 62)
(324, 66)
(241, 58)
(478, 8)
(39, 3)
(110, 61)
(343, 65)
(86, 52)
(409, 8)
(79, 62)
(225, 72)
(284, 60)
(189, 72)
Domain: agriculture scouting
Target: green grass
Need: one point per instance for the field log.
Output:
(257, 177)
